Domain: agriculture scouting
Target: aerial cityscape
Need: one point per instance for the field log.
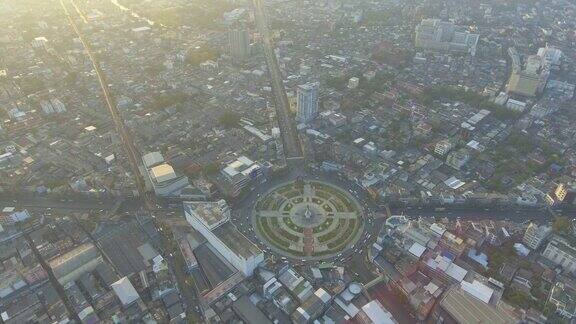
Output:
(287, 161)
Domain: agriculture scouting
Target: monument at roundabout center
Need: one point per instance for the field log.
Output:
(308, 219)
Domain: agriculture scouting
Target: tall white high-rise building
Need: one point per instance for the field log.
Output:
(239, 44)
(535, 235)
(307, 102)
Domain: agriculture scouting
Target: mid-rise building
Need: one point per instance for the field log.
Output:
(52, 106)
(298, 286)
(528, 80)
(239, 44)
(535, 235)
(458, 159)
(161, 176)
(211, 220)
(565, 193)
(240, 173)
(73, 264)
(438, 35)
(353, 83)
(563, 297)
(443, 147)
(470, 303)
(307, 102)
(374, 312)
(561, 253)
(312, 307)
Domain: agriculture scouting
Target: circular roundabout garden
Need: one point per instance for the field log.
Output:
(308, 219)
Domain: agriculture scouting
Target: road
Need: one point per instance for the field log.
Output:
(134, 158)
(241, 217)
(127, 142)
(292, 147)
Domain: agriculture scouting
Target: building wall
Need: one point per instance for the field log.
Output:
(246, 266)
(560, 257)
(170, 187)
(78, 272)
(239, 44)
(307, 97)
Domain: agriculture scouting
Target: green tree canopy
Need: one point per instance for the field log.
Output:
(229, 119)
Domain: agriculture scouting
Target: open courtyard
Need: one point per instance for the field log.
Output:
(308, 219)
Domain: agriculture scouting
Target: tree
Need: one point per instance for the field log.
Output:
(561, 225)
(229, 119)
(211, 168)
(166, 100)
(200, 55)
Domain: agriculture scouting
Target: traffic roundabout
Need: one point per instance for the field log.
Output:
(308, 219)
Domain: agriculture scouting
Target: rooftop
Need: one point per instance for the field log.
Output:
(125, 291)
(86, 248)
(153, 158)
(242, 165)
(209, 212)
(465, 308)
(236, 241)
(163, 172)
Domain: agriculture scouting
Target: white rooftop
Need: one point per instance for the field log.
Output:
(377, 314)
(417, 249)
(152, 159)
(125, 291)
(242, 165)
(478, 290)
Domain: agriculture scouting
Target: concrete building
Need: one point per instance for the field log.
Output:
(239, 44)
(125, 291)
(161, 176)
(52, 106)
(312, 307)
(443, 147)
(565, 193)
(438, 35)
(374, 312)
(531, 79)
(516, 105)
(564, 298)
(458, 159)
(353, 83)
(561, 253)
(307, 102)
(468, 305)
(535, 235)
(551, 54)
(73, 264)
(211, 220)
(240, 173)
(299, 287)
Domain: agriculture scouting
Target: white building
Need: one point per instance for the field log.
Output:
(240, 173)
(211, 220)
(353, 83)
(443, 147)
(561, 253)
(307, 102)
(161, 176)
(535, 235)
(440, 35)
(125, 291)
(516, 105)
